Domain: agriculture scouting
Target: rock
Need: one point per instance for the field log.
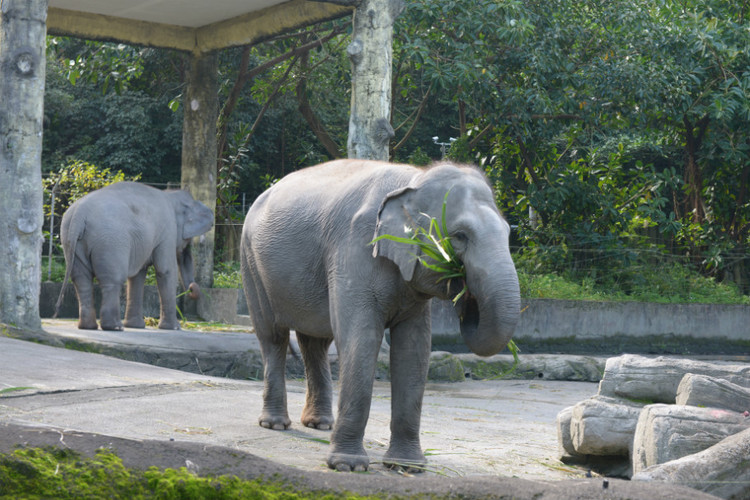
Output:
(669, 432)
(722, 470)
(534, 366)
(701, 390)
(603, 426)
(445, 367)
(655, 380)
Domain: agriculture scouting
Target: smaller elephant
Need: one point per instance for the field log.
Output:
(115, 234)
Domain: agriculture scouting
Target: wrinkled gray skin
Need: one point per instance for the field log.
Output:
(115, 234)
(308, 266)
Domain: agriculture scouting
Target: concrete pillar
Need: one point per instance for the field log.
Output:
(371, 55)
(201, 108)
(22, 69)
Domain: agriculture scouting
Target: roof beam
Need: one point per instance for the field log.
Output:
(116, 29)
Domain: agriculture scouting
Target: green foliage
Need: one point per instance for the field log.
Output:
(107, 104)
(64, 474)
(227, 275)
(77, 179)
(74, 181)
(55, 272)
(659, 283)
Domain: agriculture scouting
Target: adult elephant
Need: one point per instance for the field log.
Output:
(115, 234)
(308, 265)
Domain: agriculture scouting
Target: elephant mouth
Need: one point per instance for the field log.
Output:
(467, 309)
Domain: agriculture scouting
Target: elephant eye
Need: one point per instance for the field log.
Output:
(459, 239)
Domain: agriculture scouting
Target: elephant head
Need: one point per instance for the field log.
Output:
(193, 219)
(479, 234)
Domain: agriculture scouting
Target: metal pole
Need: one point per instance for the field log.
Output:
(51, 230)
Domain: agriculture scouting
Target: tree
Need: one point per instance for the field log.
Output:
(22, 57)
(595, 118)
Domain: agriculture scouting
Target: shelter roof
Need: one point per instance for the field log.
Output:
(197, 26)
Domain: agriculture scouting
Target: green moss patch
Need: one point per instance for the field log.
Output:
(63, 474)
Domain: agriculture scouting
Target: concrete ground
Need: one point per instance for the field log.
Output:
(472, 428)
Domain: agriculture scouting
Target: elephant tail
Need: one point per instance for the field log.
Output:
(71, 230)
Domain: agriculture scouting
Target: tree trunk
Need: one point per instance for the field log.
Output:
(371, 55)
(668, 432)
(693, 179)
(22, 59)
(712, 392)
(199, 152)
(657, 379)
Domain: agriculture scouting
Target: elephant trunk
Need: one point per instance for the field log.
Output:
(187, 276)
(491, 308)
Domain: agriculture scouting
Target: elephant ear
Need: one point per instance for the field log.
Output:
(197, 219)
(395, 218)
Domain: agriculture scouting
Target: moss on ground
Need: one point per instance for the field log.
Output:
(33, 473)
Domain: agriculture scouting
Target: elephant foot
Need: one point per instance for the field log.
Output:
(277, 423)
(348, 462)
(87, 325)
(135, 323)
(114, 328)
(169, 325)
(320, 422)
(408, 459)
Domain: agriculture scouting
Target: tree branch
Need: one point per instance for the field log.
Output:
(309, 114)
(413, 126)
(231, 102)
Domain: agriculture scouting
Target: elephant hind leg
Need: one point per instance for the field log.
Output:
(274, 344)
(83, 281)
(134, 303)
(109, 315)
(318, 410)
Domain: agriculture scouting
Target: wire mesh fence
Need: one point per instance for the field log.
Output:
(619, 267)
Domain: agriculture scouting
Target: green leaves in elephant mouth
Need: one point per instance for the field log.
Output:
(436, 252)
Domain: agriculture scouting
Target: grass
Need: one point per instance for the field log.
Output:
(65, 474)
(9, 390)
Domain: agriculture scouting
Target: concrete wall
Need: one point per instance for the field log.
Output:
(615, 327)
(545, 326)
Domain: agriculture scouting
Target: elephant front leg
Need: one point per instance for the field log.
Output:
(134, 305)
(166, 281)
(358, 351)
(318, 410)
(410, 354)
(274, 348)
